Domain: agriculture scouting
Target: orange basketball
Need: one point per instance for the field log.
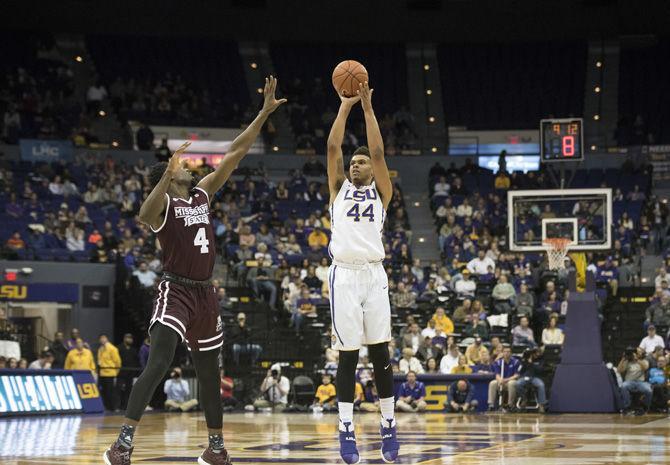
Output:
(346, 77)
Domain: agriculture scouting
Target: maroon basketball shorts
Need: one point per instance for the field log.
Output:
(193, 312)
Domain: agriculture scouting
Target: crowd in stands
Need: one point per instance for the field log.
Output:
(36, 92)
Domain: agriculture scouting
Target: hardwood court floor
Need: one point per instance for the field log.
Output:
(429, 439)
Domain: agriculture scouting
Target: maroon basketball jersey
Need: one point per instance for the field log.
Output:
(187, 237)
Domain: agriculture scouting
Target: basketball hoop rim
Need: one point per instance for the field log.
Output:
(557, 243)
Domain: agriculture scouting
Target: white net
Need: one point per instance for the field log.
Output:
(557, 249)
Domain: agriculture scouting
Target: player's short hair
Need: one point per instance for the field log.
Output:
(362, 150)
(156, 173)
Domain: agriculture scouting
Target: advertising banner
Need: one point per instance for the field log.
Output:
(39, 292)
(437, 388)
(48, 391)
(45, 150)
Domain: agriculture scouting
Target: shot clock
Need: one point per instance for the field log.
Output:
(561, 140)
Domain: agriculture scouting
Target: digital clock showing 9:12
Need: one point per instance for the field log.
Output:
(561, 139)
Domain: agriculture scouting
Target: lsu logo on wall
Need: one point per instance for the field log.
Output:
(88, 391)
(13, 292)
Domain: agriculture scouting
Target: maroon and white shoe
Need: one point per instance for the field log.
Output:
(117, 455)
(209, 457)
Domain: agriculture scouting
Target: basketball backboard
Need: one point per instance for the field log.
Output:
(584, 216)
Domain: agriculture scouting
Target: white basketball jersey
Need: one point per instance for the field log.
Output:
(356, 224)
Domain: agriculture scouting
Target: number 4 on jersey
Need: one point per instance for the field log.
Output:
(201, 240)
(368, 213)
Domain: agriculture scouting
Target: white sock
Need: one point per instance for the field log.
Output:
(346, 410)
(387, 408)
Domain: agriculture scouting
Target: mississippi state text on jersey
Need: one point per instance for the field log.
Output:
(187, 237)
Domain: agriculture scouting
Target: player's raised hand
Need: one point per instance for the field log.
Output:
(365, 93)
(175, 160)
(350, 101)
(270, 103)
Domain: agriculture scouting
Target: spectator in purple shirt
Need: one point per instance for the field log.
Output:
(609, 274)
(144, 352)
(506, 370)
(13, 208)
(461, 397)
(411, 395)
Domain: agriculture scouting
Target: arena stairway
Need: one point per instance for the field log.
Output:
(623, 318)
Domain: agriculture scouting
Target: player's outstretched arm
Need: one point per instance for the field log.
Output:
(376, 146)
(335, 138)
(242, 143)
(153, 208)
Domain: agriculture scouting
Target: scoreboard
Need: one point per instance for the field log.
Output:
(561, 139)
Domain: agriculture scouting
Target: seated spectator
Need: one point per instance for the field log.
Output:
(462, 312)
(274, 390)
(530, 374)
(13, 208)
(506, 370)
(80, 358)
(43, 362)
(443, 324)
(304, 307)
(403, 297)
(633, 369)
(522, 334)
(502, 181)
(313, 167)
(609, 274)
(261, 283)
(476, 328)
(370, 398)
(658, 379)
(524, 301)
(15, 242)
(441, 188)
(464, 210)
(651, 341)
(450, 359)
(409, 362)
(178, 393)
(465, 287)
(311, 280)
(317, 238)
(145, 276)
(552, 334)
(240, 336)
(326, 395)
(429, 330)
(480, 265)
(659, 313)
(246, 237)
(504, 294)
(475, 351)
(412, 339)
(412, 394)
(661, 276)
(427, 349)
(462, 368)
(226, 390)
(460, 397)
(431, 366)
(484, 365)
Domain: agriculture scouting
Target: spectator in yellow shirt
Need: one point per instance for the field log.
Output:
(80, 358)
(109, 362)
(326, 394)
(317, 237)
(462, 368)
(502, 181)
(443, 323)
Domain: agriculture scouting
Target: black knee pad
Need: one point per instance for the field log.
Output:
(346, 375)
(381, 361)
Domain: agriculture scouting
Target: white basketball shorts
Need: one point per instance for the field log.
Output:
(359, 305)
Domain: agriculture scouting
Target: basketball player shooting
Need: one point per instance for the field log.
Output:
(359, 301)
(186, 308)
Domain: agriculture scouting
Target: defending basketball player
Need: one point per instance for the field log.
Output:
(359, 301)
(186, 307)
